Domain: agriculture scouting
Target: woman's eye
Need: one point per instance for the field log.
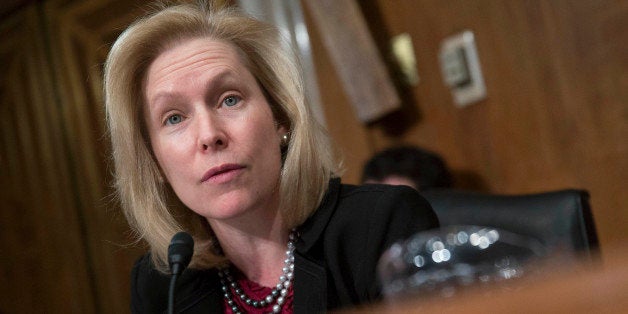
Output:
(231, 101)
(174, 119)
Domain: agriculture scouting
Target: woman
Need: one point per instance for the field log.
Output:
(211, 134)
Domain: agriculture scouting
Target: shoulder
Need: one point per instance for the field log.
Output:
(381, 192)
(149, 287)
(380, 201)
(195, 289)
(379, 214)
(350, 215)
(365, 221)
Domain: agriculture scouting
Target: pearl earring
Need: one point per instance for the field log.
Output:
(284, 140)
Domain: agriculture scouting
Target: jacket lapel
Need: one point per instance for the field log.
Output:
(209, 303)
(203, 295)
(310, 286)
(310, 277)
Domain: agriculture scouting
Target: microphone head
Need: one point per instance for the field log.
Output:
(180, 252)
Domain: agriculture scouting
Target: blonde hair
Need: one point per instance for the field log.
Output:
(149, 203)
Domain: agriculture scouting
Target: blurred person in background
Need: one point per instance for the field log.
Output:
(408, 165)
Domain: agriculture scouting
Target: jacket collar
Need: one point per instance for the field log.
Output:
(311, 230)
(310, 277)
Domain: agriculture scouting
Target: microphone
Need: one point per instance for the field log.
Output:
(180, 253)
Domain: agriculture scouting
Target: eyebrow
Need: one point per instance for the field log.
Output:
(223, 78)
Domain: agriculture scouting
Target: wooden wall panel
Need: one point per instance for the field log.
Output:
(80, 35)
(556, 115)
(65, 243)
(43, 255)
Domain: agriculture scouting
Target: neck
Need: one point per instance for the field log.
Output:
(256, 249)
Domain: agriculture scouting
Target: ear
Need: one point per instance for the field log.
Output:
(281, 130)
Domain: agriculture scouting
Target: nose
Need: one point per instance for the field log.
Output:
(212, 135)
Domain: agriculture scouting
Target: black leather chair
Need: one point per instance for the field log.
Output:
(559, 219)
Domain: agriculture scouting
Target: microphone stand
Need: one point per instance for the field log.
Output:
(180, 253)
(171, 289)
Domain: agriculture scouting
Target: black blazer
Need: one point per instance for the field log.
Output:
(335, 259)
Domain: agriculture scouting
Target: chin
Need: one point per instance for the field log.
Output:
(225, 208)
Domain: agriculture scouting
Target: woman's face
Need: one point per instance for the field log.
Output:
(212, 130)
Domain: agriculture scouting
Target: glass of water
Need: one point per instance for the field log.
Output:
(442, 262)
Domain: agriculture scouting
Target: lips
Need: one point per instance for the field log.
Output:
(219, 170)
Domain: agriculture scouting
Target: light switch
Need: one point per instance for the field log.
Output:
(455, 69)
(461, 70)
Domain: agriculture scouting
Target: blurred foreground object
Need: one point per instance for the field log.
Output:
(440, 262)
(582, 287)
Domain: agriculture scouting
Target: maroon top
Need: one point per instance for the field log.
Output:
(256, 292)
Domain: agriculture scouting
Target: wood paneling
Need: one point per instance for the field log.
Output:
(43, 255)
(80, 34)
(556, 114)
(64, 240)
